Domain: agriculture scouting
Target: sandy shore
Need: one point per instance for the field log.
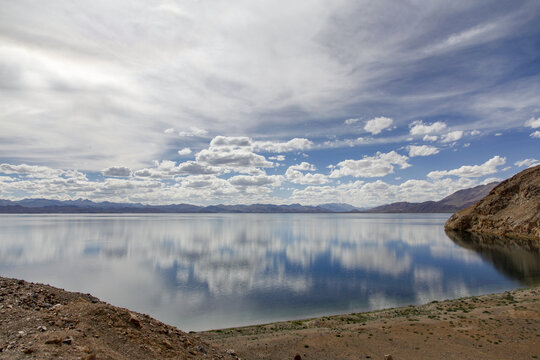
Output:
(42, 322)
(498, 326)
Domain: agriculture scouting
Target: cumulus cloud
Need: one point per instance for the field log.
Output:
(371, 166)
(378, 124)
(33, 171)
(452, 136)
(193, 131)
(533, 123)
(535, 134)
(527, 162)
(232, 158)
(418, 127)
(235, 141)
(168, 169)
(296, 144)
(295, 174)
(169, 131)
(184, 151)
(431, 138)
(257, 180)
(423, 150)
(468, 171)
(351, 121)
(304, 166)
(119, 171)
(277, 157)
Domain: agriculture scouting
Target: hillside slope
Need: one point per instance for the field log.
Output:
(512, 208)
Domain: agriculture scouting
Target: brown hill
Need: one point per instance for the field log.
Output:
(42, 322)
(512, 209)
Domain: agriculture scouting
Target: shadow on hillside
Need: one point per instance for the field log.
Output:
(516, 258)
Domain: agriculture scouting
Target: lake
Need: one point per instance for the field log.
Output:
(209, 271)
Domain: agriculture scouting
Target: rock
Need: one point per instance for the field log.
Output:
(231, 352)
(67, 340)
(135, 321)
(20, 333)
(511, 209)
(388, 357)
(167, 344)
(56, 340)
(297, 357)
(201, 349)
(41, 328)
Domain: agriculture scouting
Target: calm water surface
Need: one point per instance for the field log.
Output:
(203, 271)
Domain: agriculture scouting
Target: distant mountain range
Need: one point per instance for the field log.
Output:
(452, 203)
(459, 200)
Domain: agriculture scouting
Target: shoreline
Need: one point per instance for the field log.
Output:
(500, 325)
(40, 321)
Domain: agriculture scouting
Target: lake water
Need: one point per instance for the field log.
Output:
(208, 271)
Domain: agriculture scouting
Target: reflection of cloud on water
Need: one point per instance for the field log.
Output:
(231, 253)
(377, 259)
(189, 263)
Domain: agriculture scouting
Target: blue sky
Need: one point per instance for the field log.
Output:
(210, 102)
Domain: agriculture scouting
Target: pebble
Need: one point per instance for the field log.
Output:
(68, 340)
(201, 349)
(41, 328)
(56, 340)
(388, 357)
(231, 352)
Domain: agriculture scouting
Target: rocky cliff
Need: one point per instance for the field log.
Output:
(512, 208)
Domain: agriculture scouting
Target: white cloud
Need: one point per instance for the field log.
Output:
(231, 158)
(295, 144)
(362, 194)
(423, 150)
(452, 136)
(378, 124)
(294, 174)
(527, 162)
(430, 138)
(474, 133)
(257, 180)
(419, 128)
(489, 167)
(120, 171)
(351, 121)
(193, 131)
(168, 169)
(371, 166)
(304, 166)
(535, 134)
(33, 171)
(533, 123)
(184, 151)
(169, 131)
(277, 157)
(236, 141)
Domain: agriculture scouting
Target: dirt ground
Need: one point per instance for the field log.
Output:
(500, 326)
(42, 322)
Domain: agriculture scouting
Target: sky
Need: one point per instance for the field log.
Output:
(311, 102)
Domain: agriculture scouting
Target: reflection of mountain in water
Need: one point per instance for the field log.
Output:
(517, 258)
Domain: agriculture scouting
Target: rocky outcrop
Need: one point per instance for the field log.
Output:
(510, 209)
